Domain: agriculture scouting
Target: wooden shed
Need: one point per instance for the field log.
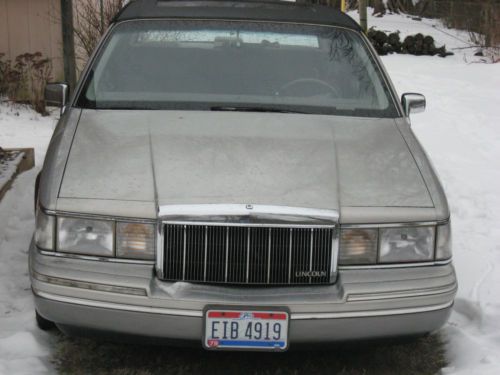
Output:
(32, 26)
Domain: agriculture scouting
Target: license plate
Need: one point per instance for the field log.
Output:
(250, 329)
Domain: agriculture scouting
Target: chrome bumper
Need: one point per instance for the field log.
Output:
(362, 304)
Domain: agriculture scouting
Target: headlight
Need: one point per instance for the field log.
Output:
(44, 233)
(443, 242)
(358, 246)
(406, 244)
(135, 241)
(361, 246)
(85, 236)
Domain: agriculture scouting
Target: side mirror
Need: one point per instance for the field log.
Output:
(413, 103)
(56, 94)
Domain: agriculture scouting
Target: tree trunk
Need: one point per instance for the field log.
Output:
(378, 7)
(68, 43)
(363, 21)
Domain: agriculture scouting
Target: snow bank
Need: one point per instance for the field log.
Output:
(461, 132)
(23, 348)
(21, 127)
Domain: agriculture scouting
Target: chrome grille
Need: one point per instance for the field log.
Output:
(248, 254)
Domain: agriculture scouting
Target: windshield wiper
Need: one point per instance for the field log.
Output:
(232, 108)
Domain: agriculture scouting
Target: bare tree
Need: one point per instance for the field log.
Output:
(91, 23)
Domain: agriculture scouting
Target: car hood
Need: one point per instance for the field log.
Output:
(193, 158)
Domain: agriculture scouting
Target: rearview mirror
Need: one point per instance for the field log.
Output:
(56, 94)
(413, 103)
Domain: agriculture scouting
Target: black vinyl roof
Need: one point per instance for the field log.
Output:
(251, 10)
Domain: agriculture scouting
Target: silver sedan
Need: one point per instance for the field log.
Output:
(241, 175)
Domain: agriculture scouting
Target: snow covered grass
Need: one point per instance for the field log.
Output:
(460, 131)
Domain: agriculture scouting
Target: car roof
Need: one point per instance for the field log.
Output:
(248, 10)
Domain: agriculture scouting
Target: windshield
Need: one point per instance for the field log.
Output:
(232, 65)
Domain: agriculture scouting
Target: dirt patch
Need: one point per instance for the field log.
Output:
(423, 355)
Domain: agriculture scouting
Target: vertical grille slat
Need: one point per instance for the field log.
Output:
(268, 278)
(184, 243)
(311, 254)
(227, 255)
(205, 254)
(248, 256)
(290, 257)
(255, 255)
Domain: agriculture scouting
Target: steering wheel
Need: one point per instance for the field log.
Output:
(302, 81)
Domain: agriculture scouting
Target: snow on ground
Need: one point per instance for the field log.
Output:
(20, 127)
(454, 40)
(23, 348)
(461, 132)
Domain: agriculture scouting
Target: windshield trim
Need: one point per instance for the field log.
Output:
(85, 77)
(242, 107)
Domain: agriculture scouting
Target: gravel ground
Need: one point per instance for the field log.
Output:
(424, 355)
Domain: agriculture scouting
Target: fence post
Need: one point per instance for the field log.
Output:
(362, 15)
(101, 6)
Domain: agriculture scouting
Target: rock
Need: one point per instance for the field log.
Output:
(417, 44)
(428, 39)
(381, 37)
(419, 37)
(394, 40)
(387, 48)
(409, 41)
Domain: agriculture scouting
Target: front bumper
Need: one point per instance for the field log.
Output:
(363, 304)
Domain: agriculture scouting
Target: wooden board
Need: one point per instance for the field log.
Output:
(27, 162)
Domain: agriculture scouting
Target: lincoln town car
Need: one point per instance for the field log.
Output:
(241, 175)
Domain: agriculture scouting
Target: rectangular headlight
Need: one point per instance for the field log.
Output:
(135, 241)
(44, 232)
(85, 236)
(406, 244)
(358, 246)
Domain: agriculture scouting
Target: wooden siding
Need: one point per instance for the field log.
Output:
(32, 26)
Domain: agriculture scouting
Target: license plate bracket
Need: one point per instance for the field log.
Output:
(246, 328)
